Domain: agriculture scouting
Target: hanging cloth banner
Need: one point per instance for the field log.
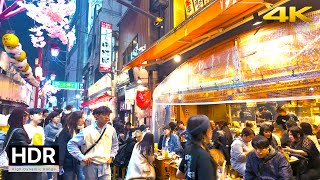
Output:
(143, 98)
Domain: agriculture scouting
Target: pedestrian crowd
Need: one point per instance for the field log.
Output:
(89, 149)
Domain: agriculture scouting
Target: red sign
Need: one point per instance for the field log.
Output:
(143, 99)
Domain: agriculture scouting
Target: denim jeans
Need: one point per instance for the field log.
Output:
(49, 175)
(80, 174)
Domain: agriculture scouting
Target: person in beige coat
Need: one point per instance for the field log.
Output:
(141, 161)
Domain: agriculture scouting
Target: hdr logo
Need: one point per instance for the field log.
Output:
(33, 158)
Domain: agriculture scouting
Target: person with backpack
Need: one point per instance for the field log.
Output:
(66, 115)
(69, 166)
(124, 153)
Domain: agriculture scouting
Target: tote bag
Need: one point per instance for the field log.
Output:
(4, 161)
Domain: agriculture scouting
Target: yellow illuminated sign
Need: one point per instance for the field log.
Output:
(189, 7)
(293, 14)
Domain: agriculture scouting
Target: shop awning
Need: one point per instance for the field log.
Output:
(203, 24)
(102, 98)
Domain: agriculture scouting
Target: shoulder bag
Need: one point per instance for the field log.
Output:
(95, 142)
(4, 161)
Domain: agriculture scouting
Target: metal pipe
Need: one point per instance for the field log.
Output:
(1, 5)
(36, 99)
(9, 9)
(12, 13)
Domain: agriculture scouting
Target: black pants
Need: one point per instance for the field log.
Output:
(21, 176)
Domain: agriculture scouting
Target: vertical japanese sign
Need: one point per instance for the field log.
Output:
(189, 7)
(197, 4)
(105, 47)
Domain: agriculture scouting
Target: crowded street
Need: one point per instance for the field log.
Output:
(160, 90)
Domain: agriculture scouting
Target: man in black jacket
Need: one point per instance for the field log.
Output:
(266, 163)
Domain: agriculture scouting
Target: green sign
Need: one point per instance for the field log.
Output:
(67, 85)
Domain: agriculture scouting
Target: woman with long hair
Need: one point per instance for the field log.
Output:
(19, 116)
(66, 161)
(197, 163)
(140, 165)
(301, 145)
(171, 141)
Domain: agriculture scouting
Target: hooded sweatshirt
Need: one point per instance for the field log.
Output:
(274, 166)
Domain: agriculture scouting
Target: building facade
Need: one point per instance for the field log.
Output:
(140, 31)
(77, 57)
(98, 73)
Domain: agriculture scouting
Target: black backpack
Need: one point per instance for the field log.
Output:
(64, 118)
(124, 154)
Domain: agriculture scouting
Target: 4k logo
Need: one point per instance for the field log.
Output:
(292, 17)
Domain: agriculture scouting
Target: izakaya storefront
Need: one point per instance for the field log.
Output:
(277, 65)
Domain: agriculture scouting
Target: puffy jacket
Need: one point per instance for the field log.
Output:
(50, 132)
(238, 156)
(274, 166)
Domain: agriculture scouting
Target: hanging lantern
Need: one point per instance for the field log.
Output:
(21, 56)
(55, 50)
(143, 98)
(10, 41)
(38, 72)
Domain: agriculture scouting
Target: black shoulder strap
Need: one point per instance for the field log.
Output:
(95, 142)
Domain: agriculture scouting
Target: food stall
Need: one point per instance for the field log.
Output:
(274, 65)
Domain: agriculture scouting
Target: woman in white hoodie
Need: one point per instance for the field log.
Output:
(240, 149)
(141, 161)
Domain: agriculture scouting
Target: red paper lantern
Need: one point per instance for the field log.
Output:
(143, 99)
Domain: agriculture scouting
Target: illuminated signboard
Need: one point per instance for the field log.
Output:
(67, 85)
(105, 47)
(102, 84)
(192, 6)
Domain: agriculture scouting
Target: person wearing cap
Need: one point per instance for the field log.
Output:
(171, 141)
(197, 163)
(100, 154)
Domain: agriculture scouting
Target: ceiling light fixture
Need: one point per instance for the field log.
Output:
(177, 58)
(256, 19)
